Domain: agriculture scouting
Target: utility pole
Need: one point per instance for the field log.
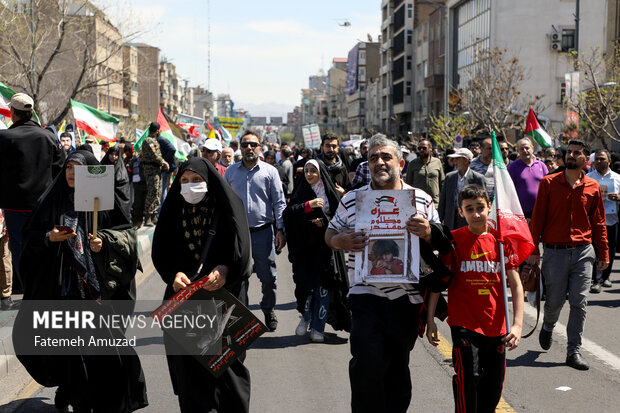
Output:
(577, 27)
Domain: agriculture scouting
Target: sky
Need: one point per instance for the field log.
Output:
(262, 52)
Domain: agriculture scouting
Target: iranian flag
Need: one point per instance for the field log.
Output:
(6, 93)
(94, 122)
(182, 148)
(5, 100)
(532, 128)
(506, 214)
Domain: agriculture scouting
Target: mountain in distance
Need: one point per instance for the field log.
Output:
(266, 109)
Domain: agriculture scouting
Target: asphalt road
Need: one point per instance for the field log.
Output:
(292, 374)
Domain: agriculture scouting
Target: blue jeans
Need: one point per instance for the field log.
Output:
(264, 256)
(316, 308)
(15, 223)
(568, 270)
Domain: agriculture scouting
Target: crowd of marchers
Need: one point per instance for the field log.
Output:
(227, 211)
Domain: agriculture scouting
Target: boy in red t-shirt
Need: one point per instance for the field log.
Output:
(476, 308)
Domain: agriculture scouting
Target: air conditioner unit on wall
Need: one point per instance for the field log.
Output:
(556, 41)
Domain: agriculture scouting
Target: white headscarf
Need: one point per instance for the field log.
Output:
(318, 187)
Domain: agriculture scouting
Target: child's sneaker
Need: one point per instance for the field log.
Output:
(302, 327)
(316, 336)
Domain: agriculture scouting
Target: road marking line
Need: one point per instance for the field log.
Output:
(590, 346)
(445, 348)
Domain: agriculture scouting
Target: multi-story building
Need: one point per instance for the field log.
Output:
(429, 46)
(148, 81)
(130, 79)
(223, 106)
(203, 103)
(542, 42)
(397, 55)
(171, 91)
(109, 91)
(373, 106)
(336, 98)
(362, 67)
(314, 100)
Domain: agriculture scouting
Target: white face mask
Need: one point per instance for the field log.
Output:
(194, 192)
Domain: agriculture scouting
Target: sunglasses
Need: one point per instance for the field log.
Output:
(246, 144)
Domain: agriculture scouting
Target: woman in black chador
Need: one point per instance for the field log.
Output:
(319, 272)
(71, 264)
(122, 186)
(199, 202)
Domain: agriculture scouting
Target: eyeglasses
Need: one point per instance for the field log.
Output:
(504, 149)
(208, 150)
(246, 144)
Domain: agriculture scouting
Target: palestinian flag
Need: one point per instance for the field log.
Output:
(506, 215)
(94, 122)
(537, 133)
(182, 148)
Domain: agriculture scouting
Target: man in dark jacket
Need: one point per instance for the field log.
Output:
(30, 158)
(337, 169)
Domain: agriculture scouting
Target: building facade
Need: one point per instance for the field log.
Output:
(148, 81)
(363, 65)
(130, 79)
(542, 43)
(397, 65)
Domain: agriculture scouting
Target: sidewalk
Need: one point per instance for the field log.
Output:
(8, 361)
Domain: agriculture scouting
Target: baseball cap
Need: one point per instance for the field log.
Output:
(462, 153)
(212, 145)
(22, 101)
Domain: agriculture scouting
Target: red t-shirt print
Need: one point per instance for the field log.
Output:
(475, 300)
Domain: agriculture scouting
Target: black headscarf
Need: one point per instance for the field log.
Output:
(231, 246)
(121, 181)
(39, 257)
(303, 190)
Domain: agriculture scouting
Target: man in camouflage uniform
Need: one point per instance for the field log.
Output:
(152, 163)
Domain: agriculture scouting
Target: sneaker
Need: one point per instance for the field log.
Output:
(271, 321)
(544, 338)
(577, 362)
(302, 327)
(607, 284)
(595, 289)
(316, 336)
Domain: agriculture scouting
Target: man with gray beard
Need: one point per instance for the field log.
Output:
(384, 315)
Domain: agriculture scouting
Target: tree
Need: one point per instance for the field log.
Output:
(491, 92)
(57, 50)
(444, 130)
(599, 101)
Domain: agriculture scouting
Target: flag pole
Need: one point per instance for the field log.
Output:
(501, 243)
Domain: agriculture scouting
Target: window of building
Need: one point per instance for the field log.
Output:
(408, 88)
(410, 11)
(568, 40)
(562, 94)
(408, 62)
(409, 36)
(362, 54)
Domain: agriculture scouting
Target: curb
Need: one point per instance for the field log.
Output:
(8, 360)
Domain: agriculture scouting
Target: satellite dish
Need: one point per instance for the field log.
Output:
(369, 37)
(343, 22)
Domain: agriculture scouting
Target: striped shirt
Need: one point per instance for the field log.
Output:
(344, 219)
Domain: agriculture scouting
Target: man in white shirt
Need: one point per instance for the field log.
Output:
(610, 187)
